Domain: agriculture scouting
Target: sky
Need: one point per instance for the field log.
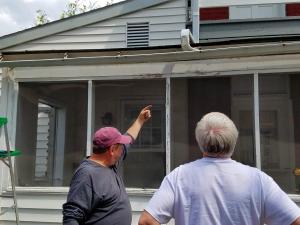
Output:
(16, 15)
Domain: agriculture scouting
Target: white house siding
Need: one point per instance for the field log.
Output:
(166, 22)
(35, 208)
(46, 208)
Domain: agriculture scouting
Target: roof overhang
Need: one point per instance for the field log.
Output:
(263, 49)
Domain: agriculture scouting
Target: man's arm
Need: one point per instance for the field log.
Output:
(79, 200)
(278, 207)
(144, 115)
(147, 219)
(296, 222)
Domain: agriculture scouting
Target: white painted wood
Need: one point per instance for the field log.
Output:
(230, 66)
(162, 35)
(168, 19)
(256, 121)
(37, 207)
(81, 39)
(165, 27)
(97, 30)
(73, 46)
(153, 20)
(91, 118)
(168, 125)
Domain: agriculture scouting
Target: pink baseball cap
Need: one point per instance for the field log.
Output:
(108, 136)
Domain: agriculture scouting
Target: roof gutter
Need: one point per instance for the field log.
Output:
(203, 54)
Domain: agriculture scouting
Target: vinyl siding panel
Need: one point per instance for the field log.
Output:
(70, 46)
(166, 22)
(39, 208)
(46, 208)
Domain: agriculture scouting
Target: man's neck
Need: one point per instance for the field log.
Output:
(100, 159)
(205, 154)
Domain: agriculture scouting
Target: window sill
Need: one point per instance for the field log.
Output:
(295, 197)
(41, 190)
(65, 190)
(130, 191)
(140, 192)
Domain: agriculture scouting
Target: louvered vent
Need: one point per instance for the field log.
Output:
(137, 35)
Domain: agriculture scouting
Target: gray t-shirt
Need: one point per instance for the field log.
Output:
(97, 196)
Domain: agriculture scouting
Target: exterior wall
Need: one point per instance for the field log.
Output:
(46, 208)
(166, 22)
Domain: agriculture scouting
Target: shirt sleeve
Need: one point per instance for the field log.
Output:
(161, 205)
(279, 209)
(79, 201)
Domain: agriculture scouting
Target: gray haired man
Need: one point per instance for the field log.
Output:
(217, 190)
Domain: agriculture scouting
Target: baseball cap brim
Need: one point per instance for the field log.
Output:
(125, 139)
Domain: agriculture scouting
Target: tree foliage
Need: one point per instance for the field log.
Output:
(73, 8)
(41, 17)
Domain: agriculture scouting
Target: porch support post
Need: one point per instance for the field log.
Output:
(168, 125)
(256, 121)
(90, 117)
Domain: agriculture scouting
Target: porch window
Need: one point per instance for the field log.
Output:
(118, 103)
(51, 131)
(279, 129)
(192, 98)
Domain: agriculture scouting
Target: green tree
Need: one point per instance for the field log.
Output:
(73, 7)
(41, 17)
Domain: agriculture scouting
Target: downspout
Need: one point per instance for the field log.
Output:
(186, 36)
(195, 7)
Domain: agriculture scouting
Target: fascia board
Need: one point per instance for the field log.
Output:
(202, 54)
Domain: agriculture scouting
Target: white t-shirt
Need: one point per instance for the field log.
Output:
(214, 191)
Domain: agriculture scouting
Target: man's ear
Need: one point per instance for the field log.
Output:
(110, 150)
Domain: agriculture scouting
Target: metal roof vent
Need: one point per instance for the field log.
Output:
(137, 35)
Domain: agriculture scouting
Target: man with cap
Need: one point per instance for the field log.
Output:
(97, 195)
